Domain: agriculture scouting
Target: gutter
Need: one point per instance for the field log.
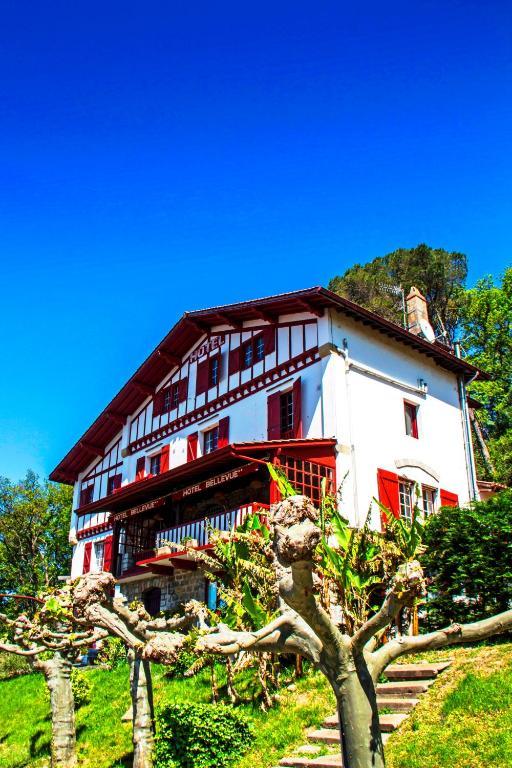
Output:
(466, 428)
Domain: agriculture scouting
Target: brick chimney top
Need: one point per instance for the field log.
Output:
(416, 310)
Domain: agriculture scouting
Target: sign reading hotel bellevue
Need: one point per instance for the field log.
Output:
(190, 490)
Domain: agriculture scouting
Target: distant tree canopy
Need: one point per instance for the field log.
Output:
(480, 317)
(34, 526)
(440, 275)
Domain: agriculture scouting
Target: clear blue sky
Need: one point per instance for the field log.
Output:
(163, 156)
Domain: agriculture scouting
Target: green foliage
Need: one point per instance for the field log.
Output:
(34, 525)
(200, 736)
(440, 275)
(285, 488)
(469, 561)
(112, 652)
(81, 687)
(185, 660)
(486, 330)
(12, 665)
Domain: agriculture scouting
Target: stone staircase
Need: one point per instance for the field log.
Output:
(396, 698)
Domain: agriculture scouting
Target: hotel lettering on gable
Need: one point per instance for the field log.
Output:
(306, 380)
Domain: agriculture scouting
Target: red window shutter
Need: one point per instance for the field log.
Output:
(297, 408)
(83, 497)
(387, 483)
(223, 432)
(274, 416)
(107, 554)
(140, 469)
(87, 557)
(158, 403)
(448, 499)
(164, 459)
(202, 377)
(192, 446)
(269, 335)
(182, 389)
(234, 364)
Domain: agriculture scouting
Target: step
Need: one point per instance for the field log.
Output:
(403, 688)
(329, 731)
(396, 703)
(326, 761)
(414, 671)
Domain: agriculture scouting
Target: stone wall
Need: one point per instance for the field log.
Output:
(177, 588)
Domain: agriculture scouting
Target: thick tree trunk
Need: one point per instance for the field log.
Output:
(143, 715)
(57, 672)
(361, 741)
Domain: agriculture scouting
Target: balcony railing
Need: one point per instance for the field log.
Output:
(200, 529)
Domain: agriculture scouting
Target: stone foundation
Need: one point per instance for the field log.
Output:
(177, 588)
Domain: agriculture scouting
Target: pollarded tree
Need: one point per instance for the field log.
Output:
(351, 663)
(50, 640)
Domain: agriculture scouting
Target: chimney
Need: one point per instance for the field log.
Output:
(416, 310)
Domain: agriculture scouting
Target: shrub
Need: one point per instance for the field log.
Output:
(81, 687)
(469, 560)
(112, 652)
(200, 736)
(12, 665)
(184, 661)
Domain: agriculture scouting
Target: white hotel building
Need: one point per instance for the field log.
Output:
(307, 380)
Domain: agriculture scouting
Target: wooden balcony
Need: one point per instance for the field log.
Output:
(199, 530)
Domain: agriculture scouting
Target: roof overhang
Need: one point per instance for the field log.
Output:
(148, 490)
(193, 325)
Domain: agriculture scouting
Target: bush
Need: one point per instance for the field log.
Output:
(469, 560)
(184, 661)
(81, 687)
(200, 736)
(112, 652)
(12, 665)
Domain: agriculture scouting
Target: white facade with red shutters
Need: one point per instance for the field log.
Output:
(307, 380)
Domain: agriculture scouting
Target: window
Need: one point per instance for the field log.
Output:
(175, 395)
(166, 405)
(213, 372)
(248, 354)
(405, 500)
(286, 414)
(253, 351)
(86, 495)
(211, 440)
(307, 476)
(154, 464)
(99, 554)
(428, 497)
(113, 483)
(411, 419)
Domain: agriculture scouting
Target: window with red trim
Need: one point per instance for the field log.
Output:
(253, 351)
(307, 476)
(211, 440)
(154, 464)
(214, 371)
(411, 419)
(405, 500)
(86, 495)
(286, 415)
(113, 483)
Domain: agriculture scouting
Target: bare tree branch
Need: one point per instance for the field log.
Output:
(408, 584)
(453, 635)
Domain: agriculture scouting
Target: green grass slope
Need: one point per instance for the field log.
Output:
(466, 718)
(105, 742)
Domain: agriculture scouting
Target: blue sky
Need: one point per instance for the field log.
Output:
(157, 157)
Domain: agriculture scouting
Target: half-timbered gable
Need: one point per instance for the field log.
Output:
(307, 380)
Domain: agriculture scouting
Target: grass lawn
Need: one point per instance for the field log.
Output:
(105, 742)
(466, 719)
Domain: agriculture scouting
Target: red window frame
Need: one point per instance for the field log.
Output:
(86, 495)
(411, 419)
(155, 464)
(113, 483)
(307, 476)
(211, 440)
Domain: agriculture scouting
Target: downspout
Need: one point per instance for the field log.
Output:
(466, 428)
